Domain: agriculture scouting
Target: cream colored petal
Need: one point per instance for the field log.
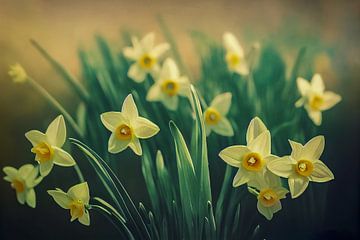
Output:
(31, 176)
(112, 120)
(242, 68)
(265, 211)
(79, 192)
(170, 103)
(136, 146)
(300, 102)
(261, 144)
(315, 116)
(45, 168)
(160, 49)
(136, 73)
(313, 149)
(184, 86)
(281, 192)
(330, 99)
(224, 128)
(303, 86)
(321, 172)
(85, 218)
(31, 183)
(297, 149)
(154, 93)
(136, 43)
(25, 170)
(61, 198)
(222, 103)
(8, 179)
(21, 197)
(297, 185)
(147, 43)
(169, 70)
(155, 71)
(144, 128)
(31, 198)
(231, 44)
(240, 178)
(282, 167)
(56, 132)
(115, 145)
(255, 128)
(35, 137)
(129, 108)
(207, 129)
(11, 172)
(62, 158)
(317, 83)
(131, 53)
(276, 207)
(233, 155)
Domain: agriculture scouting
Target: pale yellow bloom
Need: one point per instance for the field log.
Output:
(17, 73)
(314, 98)
(127, 127)
(23, 181)
(76, 199)
(235, 57)
(215, 116)
(302, 166)
(145, 56)
(47, 146)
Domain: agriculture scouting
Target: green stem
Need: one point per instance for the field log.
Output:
(79, 173)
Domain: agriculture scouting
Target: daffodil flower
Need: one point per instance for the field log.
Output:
(252, 158)
(302, 166)
(76, 199)
(314, 98)
(214, 116)
(145, 55)
(235, 57)
(17, 73)
(169, 86)
(127, 127)
(23, 181)
(47, 146)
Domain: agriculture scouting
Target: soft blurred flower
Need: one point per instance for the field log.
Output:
(314, 98)
(302, 166)
(127, 127)
(76, 199)
(235, 57)
(23, 180)
(47, 146)
(214, 116)
(169, 86)
(146, 56)
(251, 159)
(17, 73)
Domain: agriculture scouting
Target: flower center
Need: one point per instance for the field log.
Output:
(268, 197)
(43, 151)
(233, 59)
(77, 209)
(316, 102)
(147, 61)
(123, 132)
(18, 185)
(304, 168)
(170, 87)
(252, 162)
(212, 116)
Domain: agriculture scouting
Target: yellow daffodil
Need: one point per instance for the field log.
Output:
(23, 180)
(17, 73)
(235, 57)
(314, 98)
(214, 116)
(302, 166)
(252, 158)
(127, 127)
(169, 85)
(47, 146)
(146, 56)
(76, 199)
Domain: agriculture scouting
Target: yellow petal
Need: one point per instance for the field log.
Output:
(222, 103)
(129, 108)
(147, 42)
(144, 128)
(321, 173)
(224, 128)
(317, 83)
(303, 86)
(80, 192)
(56, 132)
(313, 149)
(35, 137)
(255, 128)
(330, 99)
(136, 146)
(169, 70)
(115, 145)
(112, 120)
(261, 144)
(31, 198)
(233, 155)
(136, 73)
(282, 167)
(61, 198)
(231, 44)
(297, 185)
(63, 158)
(240, 178)
(85, 218)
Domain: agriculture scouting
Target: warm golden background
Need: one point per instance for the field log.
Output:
(63, 26)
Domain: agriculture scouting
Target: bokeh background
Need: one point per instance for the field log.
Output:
(330, 29)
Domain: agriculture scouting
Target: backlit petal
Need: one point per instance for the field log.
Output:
(297, 149)
(255, 128)
(297, 185)
(85, 218)
(261, 144)
(115, 145)
(233, 155)
(80, 192)
(136, 146)
(144, 128)
(265, 211)
(223, 127)
(303, 86)
(147, 43)
(61, 198)
(31, 198)
(321, 172)
(154, 93)
(35, 137)
(317, 83)
(112, 120)
(10, 171)
(222, 103)
(170, 103)
(330, 99)
(282, 167)
(129, 108)
(231, 44)
(160, 49)
(136, 73)
(240, 178)
(45, 168)
(314, 148)
(56, 132)
(62, 158)
(25, 170)
(169, 70)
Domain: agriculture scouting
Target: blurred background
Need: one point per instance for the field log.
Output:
(330, 29)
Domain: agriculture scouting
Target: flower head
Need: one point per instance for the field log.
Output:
(314, 98)
(302, 166)
(47, 146)
(252, 158)
(235, 57)
(76, 199)
(18, 74)
(146, 56)
(23, 181)
(127, 127)
(169, 86)
(215, 116)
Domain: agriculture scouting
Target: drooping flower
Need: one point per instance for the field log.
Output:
(314, 98)
(215, 116)
(127, 127)
(23, 180)
(48, 146)
(252, 158)
(17, 73)
(76, 199)
(146, 56)
(302, 166)
(169, 86)
(235, 57)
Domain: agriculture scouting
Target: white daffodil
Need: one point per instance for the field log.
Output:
(251, 159)
(302, 166)
(314, 98)
(127, 127)
(235, 57)
(146, 56)
(169, 86)
(47, 146)
(17, 73)
(23, 180)
(76, 199)
(214, 116)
